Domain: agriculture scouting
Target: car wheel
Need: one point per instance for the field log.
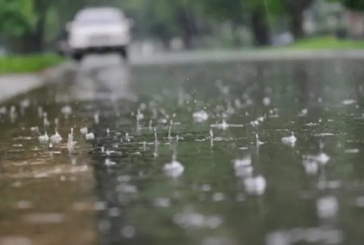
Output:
(124, 53)
(77, 57)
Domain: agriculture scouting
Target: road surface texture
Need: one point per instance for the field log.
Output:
(211, 153)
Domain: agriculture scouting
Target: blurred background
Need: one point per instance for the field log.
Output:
(36, 26)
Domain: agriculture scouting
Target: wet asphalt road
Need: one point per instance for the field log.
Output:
(225, 186)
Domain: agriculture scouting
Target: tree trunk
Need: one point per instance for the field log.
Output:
(235, 35)
(296, 24)
(296, 10)
(260, 28)
(187, 26)
(33, 41)
(38, 34)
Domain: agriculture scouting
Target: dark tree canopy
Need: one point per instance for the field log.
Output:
(357, 5)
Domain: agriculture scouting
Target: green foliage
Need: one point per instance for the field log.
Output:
(326, 43)
(159, 17)
(231, 10)
(27, 64)
(16, 17)
(154, 18)
(238, 11)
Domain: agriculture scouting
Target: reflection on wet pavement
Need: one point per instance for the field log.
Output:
(230, 153)
(46, 189)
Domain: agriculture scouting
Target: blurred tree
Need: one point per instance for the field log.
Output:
(226, 11)
(295, 10)
(258, 14)
(35, 37)
(355, 5)
(163, 19)
(238, 13)
(22, 22)
(25, 22)
(157, 19)
(16, 17)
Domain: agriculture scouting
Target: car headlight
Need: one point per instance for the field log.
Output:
(77, 40)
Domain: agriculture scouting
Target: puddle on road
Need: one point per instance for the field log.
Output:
(45, 187)
(234, 153)
(251, 153)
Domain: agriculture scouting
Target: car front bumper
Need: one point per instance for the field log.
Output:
(99, 50)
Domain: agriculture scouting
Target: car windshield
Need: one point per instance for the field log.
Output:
(98, 16)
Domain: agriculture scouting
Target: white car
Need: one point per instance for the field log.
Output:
(99, 30)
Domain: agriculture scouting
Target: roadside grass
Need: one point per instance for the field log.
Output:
(326, 43)
(28, 64)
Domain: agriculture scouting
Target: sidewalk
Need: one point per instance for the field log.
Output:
(12, 85)
(244, 56)
(15, 84)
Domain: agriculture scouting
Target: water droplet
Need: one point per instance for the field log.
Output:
(200, 116)
(90, 136)
(128, 231)
(290, 140)
(173, 169)
(327, 207)
(84, 130)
